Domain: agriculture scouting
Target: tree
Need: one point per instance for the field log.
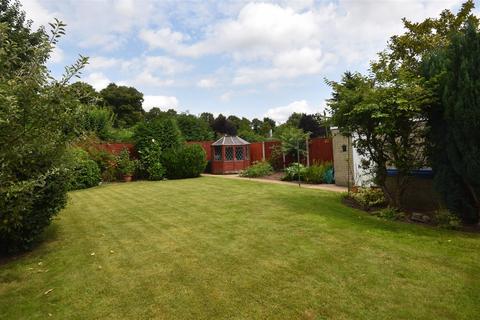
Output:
(388, 111)
(85, 93)
(37, 117)
(310, 123)
(208, 118)
(125, 102)
(257, 125)
(455, 122)
(222, 125)
(163, 131)
(193, 128)
(294, 119)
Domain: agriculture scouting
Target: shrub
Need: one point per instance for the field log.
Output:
(188, 161)
(258, 169)
(390, 213)
(84, 172)
(315, 173)
(125, 165)
(98, 120)
(293, 171)
(369, 198)
(163, 130)
(447, 220)
(27, 208)
(150, 161)
(276, 157)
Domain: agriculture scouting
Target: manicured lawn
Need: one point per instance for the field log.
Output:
(212, 248)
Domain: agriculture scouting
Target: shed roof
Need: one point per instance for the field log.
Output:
(230, 141)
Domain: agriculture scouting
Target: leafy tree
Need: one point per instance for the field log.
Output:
(37, 120)
(125, 102)
(193, 128)
(294, 119)
(310, 123)
(257, 125)
(222, 125)
(454, 120)
(165, 131)
(208, 118)
(154, 113)
(85, 93)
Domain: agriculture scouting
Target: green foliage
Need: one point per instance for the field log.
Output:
(188, 161)
(317, 172)
(120, 134)
(296, 171)
(86, 94)
(164, 131)
(369, 198)
(193, 128)
(28, 206)
(85, 172)
(125, 164)
(454, 122)
(390, 213)
(150, 160)
(257, 169)
(37, 120)
(98, 120)
(293, 140)
(126, 104)
(447, 220)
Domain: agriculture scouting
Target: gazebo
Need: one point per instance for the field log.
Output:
(230, 155)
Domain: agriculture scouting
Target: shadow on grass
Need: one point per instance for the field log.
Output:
(49, 235)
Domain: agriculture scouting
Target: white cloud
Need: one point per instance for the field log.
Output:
(96, 63)
(145, 78)
(207, 83)
(227, 96)
(162, 102)
(57, 55)
(98, 80)
(167, 65)
(281, 114)
(38, 13)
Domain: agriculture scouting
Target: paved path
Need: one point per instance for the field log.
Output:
(326, 187)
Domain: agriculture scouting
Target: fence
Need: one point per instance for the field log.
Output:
(319, 150)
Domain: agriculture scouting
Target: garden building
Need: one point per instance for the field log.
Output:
(231, 154)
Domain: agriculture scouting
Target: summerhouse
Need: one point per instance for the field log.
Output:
(230, 155)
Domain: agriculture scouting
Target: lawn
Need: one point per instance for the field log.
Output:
(212, 248)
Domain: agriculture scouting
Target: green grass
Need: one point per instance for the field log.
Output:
(212, 248)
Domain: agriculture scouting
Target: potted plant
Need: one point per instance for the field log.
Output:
(125, 165)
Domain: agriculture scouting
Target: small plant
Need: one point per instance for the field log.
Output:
(369, 198)
(125, 165)
(390, 213)
(258, 169)
(447, 220)
(293, 171)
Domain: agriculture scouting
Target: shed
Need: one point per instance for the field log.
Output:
(231, 154)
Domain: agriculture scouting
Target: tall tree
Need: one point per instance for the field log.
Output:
(222, 125)
(455, 122)
(310, 123)
(125, 102)
(193, 128)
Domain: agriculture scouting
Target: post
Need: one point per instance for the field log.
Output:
(263, 150)
(298, 162)
(308, 152)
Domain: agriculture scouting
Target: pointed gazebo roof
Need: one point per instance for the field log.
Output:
(230, 141)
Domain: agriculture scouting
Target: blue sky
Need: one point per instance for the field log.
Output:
(246, 58)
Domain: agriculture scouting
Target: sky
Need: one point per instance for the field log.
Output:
(251, 59)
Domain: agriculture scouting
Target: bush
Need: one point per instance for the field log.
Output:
(390, 213)
(447, 220)
(27, 207)
(165, 131)
(188, 161)
(150, 161)
(369, 198)
(125, 165)
(85, 172)
(258, 169)
(98, 120)
(293, 171)
(315, 173)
